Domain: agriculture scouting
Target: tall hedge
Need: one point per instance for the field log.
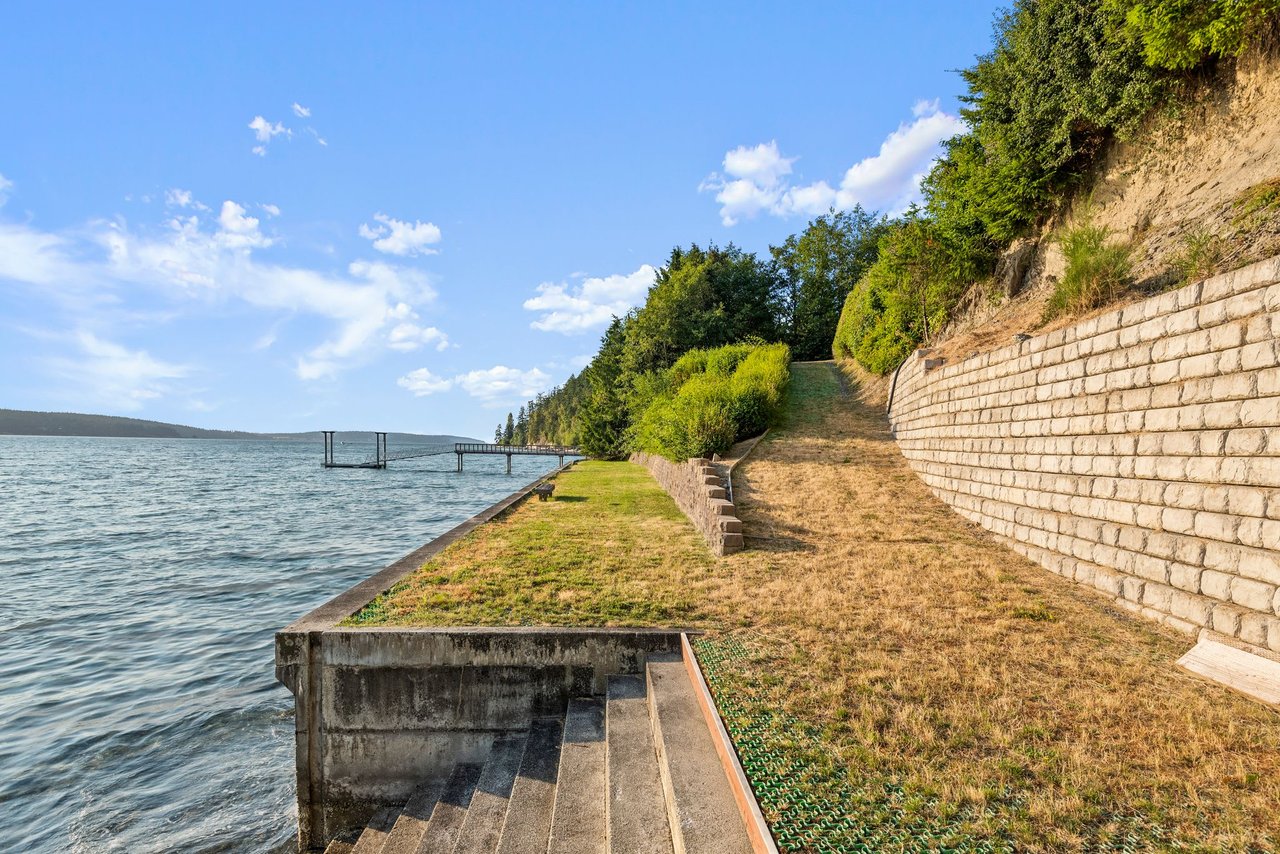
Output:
(710, 399)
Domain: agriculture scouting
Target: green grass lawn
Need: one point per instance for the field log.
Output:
(611, 549)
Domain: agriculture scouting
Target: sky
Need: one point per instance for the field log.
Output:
(411, 216)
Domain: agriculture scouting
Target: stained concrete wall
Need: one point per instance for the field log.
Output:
(380, 711)
(699, 491)
(1137, 452)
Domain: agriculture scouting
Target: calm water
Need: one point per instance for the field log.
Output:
(143, 580)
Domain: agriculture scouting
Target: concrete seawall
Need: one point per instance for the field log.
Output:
(378, 711)
(1137, 452)
(698, 490)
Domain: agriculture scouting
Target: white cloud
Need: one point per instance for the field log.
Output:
(422, 382)
(373, 305)
(115, 376)
(590, 304)
(238, 229)
(501, 384)
(270, 210)
(396, 237)
(5, 186)
(176, 198)
(301, 111)
(263, 131)
(756, 180)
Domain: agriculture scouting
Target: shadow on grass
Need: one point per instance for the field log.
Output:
(570, 498)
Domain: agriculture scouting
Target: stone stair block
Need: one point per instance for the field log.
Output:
(411, 825)
(701, 808)
(451, 810)
(637, 811)
(483, 825)
(527, 827)
(579, 823)
(375, 832)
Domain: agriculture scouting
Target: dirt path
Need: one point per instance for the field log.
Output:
(1004, 703)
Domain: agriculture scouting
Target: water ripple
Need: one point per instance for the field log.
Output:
(145, 579)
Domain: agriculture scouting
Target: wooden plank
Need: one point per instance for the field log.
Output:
(1251, 675)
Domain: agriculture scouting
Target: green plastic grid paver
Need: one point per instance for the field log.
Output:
(775, 750)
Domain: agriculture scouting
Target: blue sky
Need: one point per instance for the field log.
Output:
(404, 216)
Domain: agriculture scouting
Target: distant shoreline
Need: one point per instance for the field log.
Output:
(19, 422)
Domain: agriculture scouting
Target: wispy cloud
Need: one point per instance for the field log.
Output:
(301, 111)
(422, 383)
(5, 186)
(590, 304)
(756, 180)
(264, 131)
(113, 375)
(396, 237)
(374, 305)
(496, 386)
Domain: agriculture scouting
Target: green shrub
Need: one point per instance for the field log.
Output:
(1097, 271)
(1198, 257)
(1181, 34)
(906, 296)
(1256, 202)
(697, 413)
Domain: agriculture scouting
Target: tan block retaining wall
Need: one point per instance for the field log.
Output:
(698, 490)
(1137, 452)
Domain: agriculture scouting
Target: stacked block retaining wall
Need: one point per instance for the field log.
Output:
(1137, 452)
(698, 490)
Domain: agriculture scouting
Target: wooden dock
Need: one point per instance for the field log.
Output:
(381, 456)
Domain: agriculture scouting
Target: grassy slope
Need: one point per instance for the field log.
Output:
(894, 666)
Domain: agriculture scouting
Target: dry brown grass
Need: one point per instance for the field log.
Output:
(926, 654)
(923, 648)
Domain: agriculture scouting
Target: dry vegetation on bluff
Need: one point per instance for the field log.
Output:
(924, 653)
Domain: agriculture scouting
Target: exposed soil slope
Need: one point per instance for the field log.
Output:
(1201, 171)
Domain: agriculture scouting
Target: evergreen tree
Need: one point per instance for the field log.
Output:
(522, 428)
(509, 432)
(816, 269)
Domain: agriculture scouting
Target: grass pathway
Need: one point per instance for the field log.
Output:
(945, 692)
(895, 679)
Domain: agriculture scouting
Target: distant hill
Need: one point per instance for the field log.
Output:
(18, 422)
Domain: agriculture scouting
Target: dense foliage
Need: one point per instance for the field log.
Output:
(711, 398)
(1064, 78)
(704, 298)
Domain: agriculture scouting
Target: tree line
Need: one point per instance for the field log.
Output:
(1064, 78)
(704, 298)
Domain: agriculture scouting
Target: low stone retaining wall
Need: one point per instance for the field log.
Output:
(1137, 452)
(698, 490)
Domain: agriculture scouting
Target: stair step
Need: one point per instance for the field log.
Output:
(578, 826)
(483, 825)
(411, 824)
(637, 809)
(528, 823)
(701, 807)
(450, 811)
(375, 832)
(339, 846)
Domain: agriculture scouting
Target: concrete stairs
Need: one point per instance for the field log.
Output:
(633, 772)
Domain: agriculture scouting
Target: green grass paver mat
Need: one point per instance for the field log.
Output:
(814, 805)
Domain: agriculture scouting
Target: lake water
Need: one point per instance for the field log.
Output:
(142, 582)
